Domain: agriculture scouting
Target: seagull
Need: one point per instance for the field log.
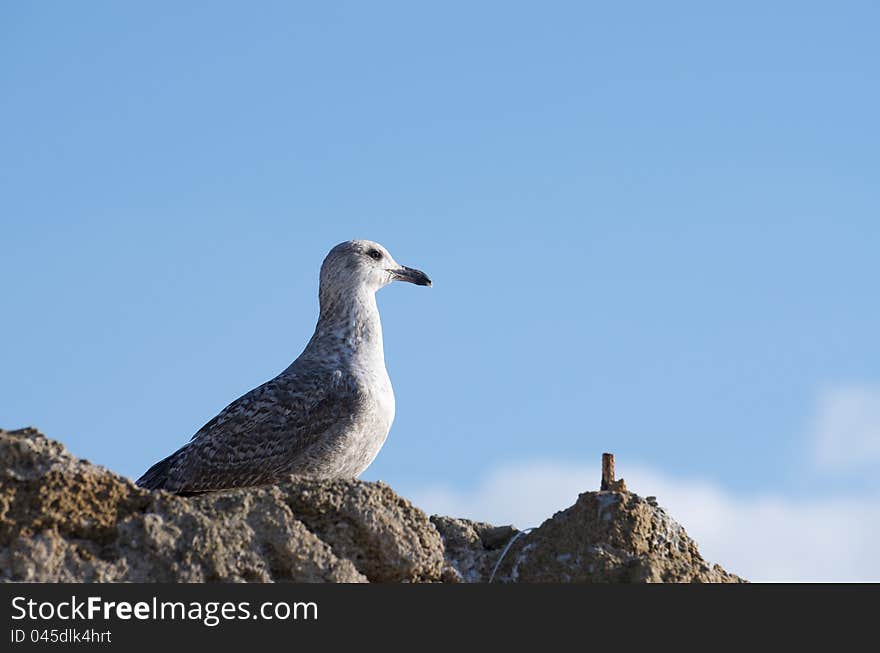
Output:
(327, 415)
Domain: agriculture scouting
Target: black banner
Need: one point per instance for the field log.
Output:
(242, 617)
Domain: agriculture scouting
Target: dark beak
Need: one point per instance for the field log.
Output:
(411, 275)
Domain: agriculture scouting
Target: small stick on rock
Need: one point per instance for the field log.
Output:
(608, 482)
(607, 470)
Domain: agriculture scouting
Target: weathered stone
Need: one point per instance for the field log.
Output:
(609, 537)
(383, 534)
(472, 548)
(65, 519)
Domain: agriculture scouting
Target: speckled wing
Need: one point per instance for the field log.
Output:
(259, 438)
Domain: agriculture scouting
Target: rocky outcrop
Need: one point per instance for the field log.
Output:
(473, 548)
(65, 519)
(609, 537)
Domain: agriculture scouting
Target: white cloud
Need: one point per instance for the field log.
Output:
(846, 428)
(767, 538)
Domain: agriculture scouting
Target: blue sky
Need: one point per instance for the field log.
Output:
(652, 227)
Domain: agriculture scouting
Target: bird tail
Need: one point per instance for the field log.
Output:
(156, 477)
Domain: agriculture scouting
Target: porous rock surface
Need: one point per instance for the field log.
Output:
(65, 519)
(609, 537)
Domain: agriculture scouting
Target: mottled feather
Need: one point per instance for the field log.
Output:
(325, 416)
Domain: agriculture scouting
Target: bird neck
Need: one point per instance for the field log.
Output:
(349, 327)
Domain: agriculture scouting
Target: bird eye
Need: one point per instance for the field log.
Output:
(374, 254)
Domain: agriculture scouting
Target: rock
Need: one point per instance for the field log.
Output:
(472, 548)
(383, 534)
(65, 519)
(609, 537)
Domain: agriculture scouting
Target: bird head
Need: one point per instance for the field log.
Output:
(357, 264)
